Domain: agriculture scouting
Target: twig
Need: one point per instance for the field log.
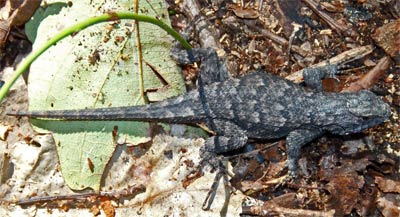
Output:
(207, 37)
(83, 196)
(345, 57)
(331, 22)
(272, 209)
(275, 38)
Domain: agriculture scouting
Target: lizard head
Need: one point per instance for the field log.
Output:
(364, 109)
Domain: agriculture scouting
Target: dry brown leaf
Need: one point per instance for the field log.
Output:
(387, 185)
(371, 77)
(345, 194)
(388, 37)
(17, 14)
(24, 12)
(108, 208)
(4, 131)
(245, 13)
(387, 207)
(95, 210)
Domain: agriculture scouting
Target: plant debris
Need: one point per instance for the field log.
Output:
(351, 175)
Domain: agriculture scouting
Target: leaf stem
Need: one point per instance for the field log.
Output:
(24, 65)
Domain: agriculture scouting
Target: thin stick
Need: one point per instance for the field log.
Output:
(345, 57)
(82, 196)
(331, 22)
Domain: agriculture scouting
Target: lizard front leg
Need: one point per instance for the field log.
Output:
(313, 76)
(294, 141)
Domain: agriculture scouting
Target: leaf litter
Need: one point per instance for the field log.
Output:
(337, 172)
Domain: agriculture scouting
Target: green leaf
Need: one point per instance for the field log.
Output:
(41, 13)
(97, 68)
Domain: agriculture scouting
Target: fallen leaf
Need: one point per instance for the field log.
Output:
(388, 208)
(4, 131)
(34, 170)
(345, 193)
(108, 208)
(371, 77)
(245, 13)
(24, 12)
(18, 14)
(387, 185)
(95, 210)
(67, 77)
(388, 37)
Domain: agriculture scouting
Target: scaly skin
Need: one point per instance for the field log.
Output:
(256, 106)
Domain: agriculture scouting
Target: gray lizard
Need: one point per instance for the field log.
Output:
(256, 106)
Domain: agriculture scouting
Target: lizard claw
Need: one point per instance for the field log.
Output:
(289, 177)
(221, 173)
(284, 180)
(215, 163)
(213, 189)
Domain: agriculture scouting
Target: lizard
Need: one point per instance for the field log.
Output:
(258, 106)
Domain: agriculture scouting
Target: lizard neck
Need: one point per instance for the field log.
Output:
(330, 109)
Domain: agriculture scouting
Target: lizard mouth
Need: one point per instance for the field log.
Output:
(356, 127)
(370, 122)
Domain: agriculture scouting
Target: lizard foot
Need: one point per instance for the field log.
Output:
(214, 163)
(289, 176)
(283, 180)
(211, 159)
(213, 189)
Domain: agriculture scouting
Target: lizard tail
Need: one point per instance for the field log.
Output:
(176, 110)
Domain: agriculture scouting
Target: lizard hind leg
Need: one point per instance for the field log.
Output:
(213, 190)
(210, 158)
(215, 145)
(233, 138)
(229, 137)
(212, 68)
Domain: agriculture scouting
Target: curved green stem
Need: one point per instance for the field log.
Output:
(24, 65)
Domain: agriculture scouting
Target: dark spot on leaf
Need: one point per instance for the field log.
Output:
(168, 154)
(90, 164)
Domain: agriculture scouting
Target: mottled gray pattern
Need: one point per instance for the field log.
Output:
(258, 105)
